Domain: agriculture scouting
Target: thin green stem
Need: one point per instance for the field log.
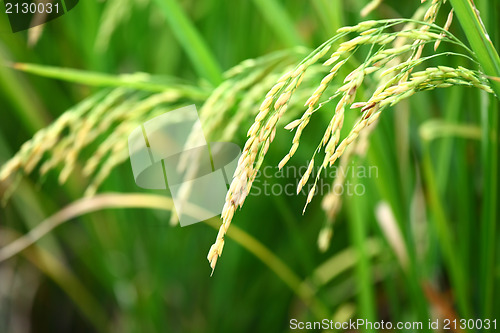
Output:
(451, 113)
(358, 233)
(445, 235)
(489, 213)
(490, 126)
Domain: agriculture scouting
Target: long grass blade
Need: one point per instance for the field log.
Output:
(479, 39)
(191, 40)
(279, 20)
(139, 81)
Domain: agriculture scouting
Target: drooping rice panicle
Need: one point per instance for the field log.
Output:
(397, 83)
(260, 135)
(60, 144)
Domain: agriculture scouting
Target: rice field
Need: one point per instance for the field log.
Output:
(366, 191)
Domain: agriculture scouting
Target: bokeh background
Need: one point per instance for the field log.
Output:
(129, 270)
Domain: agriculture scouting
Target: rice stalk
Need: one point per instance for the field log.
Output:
(122, 109)
(401, 85)
(333, 202)
(60, 144)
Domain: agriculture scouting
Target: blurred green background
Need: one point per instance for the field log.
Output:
(128, 270)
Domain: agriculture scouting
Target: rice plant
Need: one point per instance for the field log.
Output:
(371, 94)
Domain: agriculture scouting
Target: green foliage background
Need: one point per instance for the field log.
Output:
(128, 270)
